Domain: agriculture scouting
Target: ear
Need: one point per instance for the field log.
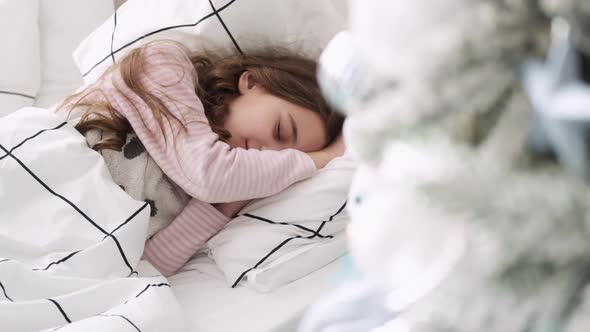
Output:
(246, 83)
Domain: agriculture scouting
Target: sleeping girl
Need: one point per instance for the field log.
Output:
(198, 136)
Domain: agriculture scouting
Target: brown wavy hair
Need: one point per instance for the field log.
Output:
(280, 72)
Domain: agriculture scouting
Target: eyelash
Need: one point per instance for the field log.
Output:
(278, 132)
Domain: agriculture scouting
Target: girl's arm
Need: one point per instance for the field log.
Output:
(323, 157)
(231, 209)
(202, 165)
(169, 249)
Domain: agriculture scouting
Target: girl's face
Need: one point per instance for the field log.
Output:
(259, 120)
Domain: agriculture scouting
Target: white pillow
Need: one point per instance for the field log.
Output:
(63, 24)
(20, 73)
(273, 241)
(303, 25)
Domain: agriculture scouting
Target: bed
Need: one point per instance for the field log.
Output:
(210, 305)
(206, 299)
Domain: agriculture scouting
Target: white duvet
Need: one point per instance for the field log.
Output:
(70, 239)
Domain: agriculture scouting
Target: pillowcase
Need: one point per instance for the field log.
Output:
(279, 239)
(301, 25)
(20, 72)
(63, 24)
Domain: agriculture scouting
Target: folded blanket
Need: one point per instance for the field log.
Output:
(70, 238)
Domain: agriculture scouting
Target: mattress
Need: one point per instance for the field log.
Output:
(210, 305)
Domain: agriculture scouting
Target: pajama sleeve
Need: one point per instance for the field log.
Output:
(194, 158)
(169, 249)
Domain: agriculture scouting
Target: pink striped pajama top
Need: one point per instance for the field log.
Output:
(207, 169)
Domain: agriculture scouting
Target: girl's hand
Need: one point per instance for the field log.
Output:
(231, 209)
(335, 149)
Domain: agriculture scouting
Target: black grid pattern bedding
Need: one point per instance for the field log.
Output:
(314, 234)
(11, 289)
(215, 12)
(17, 94)
(10, 153)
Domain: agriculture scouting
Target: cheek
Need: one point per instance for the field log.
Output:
(232, 122)
(228, 124)
(245, 126)
(317, 135)
(236, 114)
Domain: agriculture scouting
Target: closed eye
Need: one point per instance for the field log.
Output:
(278, 131)
(293, 129)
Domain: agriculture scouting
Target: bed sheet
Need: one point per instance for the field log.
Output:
(211, 306)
